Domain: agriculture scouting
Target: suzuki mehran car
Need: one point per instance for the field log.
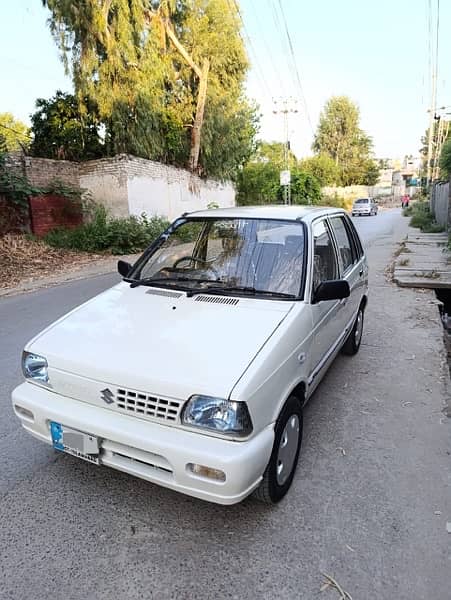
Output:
(193, 371)
(364, 206)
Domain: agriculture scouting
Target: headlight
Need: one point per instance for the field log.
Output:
(35, 367)
(216, 414)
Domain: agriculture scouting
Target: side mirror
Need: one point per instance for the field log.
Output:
(332, 290)
(123, 268)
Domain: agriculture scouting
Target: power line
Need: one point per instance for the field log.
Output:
(270, 54)
(296, 70)
(233, 4)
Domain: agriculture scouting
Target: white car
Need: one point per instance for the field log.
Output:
(193, 371)
(364, 206)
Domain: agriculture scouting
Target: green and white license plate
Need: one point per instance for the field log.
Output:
(79, 444)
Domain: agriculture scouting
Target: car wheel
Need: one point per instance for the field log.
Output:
(282, 465)
(354, 339)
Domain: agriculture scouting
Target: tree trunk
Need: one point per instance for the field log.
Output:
(199, 117)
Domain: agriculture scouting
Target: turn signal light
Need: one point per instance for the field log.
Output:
(207, 472)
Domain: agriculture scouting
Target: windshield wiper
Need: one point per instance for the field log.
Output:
(240, 289)
(159, 280)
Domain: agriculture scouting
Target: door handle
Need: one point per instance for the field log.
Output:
(360, 272)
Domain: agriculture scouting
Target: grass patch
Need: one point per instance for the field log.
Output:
(422, 218)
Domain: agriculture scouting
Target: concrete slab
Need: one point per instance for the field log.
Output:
(424, 261)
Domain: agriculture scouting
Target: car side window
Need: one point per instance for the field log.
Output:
(345, 243)
(355, 236)
(325, 267)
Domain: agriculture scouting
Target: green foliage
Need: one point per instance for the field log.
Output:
(14, 135)
(144, 92)
(273, 152)
(305, 188)
(61, 130)
(370, 176)
(106, 234)
(323, 167)
(445, 159)
(258, 183)
(14, 186)
(422, 218)
(339, 136)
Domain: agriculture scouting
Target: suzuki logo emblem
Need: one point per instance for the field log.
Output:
(107, 396)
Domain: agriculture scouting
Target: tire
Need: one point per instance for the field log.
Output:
(276, 483)
(354, 339)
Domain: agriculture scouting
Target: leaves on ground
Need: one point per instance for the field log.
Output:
(24, 259)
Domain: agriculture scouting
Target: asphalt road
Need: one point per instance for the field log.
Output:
(369, 503)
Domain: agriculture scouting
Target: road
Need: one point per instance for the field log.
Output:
(368, 505)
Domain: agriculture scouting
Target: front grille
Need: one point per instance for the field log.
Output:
(145, 405)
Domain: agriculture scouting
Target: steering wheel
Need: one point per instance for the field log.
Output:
(195, 259)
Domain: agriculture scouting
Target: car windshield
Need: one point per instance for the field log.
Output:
(251, 255)
(362, 201)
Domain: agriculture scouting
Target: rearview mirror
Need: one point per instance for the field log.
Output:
(123, 268)
(332, 290)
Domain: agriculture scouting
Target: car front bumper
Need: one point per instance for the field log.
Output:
(157, 453)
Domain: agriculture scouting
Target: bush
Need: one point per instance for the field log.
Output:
(337, 201)
(107, 234)
(422, 218)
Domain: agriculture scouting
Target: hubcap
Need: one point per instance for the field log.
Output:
(358, 328)
(287, 449)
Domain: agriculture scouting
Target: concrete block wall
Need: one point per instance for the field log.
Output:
(106, 180)
(157, 189)
(43, 171)
(127, 185)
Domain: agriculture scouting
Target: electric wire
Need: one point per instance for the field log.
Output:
(234, 7)
(296, 70)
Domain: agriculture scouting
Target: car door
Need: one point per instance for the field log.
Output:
(328, 322)
(351, 266)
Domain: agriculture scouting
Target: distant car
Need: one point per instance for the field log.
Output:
(193, 371)
(364, 206)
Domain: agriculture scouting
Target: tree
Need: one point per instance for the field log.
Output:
(305, 188)
(339, 136)
(60, 130)
(259, 181)
(142, 64)
(371, 174)
(445, 159)
(274, 152)
(14, 135)
(323, 167)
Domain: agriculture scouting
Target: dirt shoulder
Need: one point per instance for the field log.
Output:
(28, 265)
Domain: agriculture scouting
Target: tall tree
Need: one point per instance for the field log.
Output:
(14, 135)
(340, 137)
(143, 64)
(323, 167)
(61, 131)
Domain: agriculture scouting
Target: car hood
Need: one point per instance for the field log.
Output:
(174, 346)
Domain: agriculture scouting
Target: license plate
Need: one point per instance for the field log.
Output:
(79, 444)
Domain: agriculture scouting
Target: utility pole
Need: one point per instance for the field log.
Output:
(442, 134)
(285, 106)
(433, 64)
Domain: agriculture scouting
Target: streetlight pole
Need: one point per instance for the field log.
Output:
(285, 106)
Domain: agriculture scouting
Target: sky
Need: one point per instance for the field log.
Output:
(375, 52)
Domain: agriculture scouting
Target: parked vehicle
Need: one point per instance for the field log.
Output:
(364, 206)
(193, 371)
